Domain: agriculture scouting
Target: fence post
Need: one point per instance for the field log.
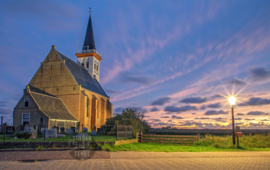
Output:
(4, 132)
(126, 131)
(116, 132)
(141, 137)
(198, 137)
(181, 140)
(137, 136)
(45, 133)
(161, 139)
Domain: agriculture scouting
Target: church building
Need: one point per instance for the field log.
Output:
(65, 93)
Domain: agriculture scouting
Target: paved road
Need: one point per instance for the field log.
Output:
(142, 160)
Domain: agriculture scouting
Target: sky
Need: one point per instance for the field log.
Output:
(175, 61)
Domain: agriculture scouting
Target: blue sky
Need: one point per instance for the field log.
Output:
(173, 60)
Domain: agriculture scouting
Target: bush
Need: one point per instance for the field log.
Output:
(24, 135)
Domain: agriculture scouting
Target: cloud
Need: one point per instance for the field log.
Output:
(137, 79)
(255, 101)
(5, 111)
(164, 117)
(154, 109)
(240, 114)
(3, 103)
(216, 96)
(194, 113)
(250, 119)
(220, 119)
(118, 109)
(256, 113)
(141, 109)
(161, 101)
(154, 120)
(202, 118)
(194, 100)
(238, 118)
(214, 112)
(203, 107)
(111, 91)
(216, 105)
(176, 117)
(236, 81)
(260, 73)
(180, 109)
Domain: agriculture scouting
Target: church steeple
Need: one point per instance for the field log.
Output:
(89, 41)
(89, 58)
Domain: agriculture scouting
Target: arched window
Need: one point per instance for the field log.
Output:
(41, 120)
(87, 64)
(83, 64)
(97, 67)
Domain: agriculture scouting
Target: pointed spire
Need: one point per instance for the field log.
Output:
(89, 41)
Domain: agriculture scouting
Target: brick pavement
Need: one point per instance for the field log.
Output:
(150, 160)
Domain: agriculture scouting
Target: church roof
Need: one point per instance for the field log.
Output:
(81, 75)
(53, 107)
(89, 36)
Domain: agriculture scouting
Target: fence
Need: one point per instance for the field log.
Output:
(124, 132)
(104, 133)
(177, 139)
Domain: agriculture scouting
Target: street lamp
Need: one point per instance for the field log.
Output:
(232, 103)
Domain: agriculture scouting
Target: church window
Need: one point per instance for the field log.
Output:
(87, 103)
(94, 66)
(83, 64)
(87, 64)
(26, 103)
(97, 110)
(41, 120)
(25, 118)
(97, 67)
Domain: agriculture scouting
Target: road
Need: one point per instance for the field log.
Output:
(136, 160)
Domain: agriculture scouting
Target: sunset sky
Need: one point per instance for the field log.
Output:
(173, 60)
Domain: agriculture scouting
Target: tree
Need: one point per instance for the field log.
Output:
(129, 116)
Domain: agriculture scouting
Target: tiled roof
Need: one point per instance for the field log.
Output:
(52, 106)
(81, 75)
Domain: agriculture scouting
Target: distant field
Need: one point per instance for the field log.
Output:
(208, 143)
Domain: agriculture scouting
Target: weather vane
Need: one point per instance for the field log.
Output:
(90, 10)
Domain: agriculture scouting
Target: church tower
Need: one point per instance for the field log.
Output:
(89, 58)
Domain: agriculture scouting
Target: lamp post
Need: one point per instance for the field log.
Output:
(232, 103)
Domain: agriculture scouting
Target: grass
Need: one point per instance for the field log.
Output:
(207, 144)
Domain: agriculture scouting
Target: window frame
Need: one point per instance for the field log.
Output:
(26, 114)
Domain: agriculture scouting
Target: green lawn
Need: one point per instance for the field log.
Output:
(208, 143)
(156, 147)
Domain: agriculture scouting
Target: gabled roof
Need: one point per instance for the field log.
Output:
(82, 76)
(89, 36)
(53, 107)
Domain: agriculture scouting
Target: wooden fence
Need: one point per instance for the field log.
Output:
(177, 139)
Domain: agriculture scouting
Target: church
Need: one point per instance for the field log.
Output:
(65, 93)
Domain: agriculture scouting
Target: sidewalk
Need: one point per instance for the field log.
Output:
(58, 155)
(138, 160)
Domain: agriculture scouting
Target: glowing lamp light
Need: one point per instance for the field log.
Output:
(232, 101)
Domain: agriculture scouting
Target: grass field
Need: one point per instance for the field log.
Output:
(209, 143)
